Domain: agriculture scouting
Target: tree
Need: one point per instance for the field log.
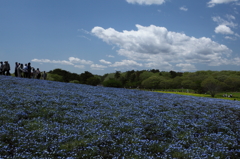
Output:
(173, 74)
(165, 84)
(94, 81)
(103, 77)
(112, 83)
(176, 82)
(187, 84)
(211, 85)
(152, 82)
(145, 75)
(84, 76)
(117, 75)
(233, 83)
(55, 77)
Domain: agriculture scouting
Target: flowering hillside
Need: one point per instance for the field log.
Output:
(45, 119)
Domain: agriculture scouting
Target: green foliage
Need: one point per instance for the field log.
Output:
(145, 75)
(54, 77)
(108, 76)
(132, 84)
(232, 82)
(74, 81)
(117, 74)
(187, 84)
(165, 84)
(228, 80)
(211, 85)
(152, 82)
(94, 81)
(112, 83)
(85, 76)
(66, 76)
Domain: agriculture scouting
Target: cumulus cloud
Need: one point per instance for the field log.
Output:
(212, 3)
(229, 22)
(183, 8)
(126, 63)
(77, 60)
(230, 38)
(97, 67)
(223, 29)
(224, 26)
(156, 45)
(186, 67)
(79, 66)
(105, 62)
(146, 2)
(63, 62)
(235, 61)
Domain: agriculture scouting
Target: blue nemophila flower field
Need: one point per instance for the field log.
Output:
(45, 119)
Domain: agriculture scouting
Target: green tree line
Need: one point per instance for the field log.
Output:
(199, 81)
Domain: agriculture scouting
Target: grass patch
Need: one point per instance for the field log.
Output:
(235, 95)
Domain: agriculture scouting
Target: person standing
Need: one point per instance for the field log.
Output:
(1, 68)
(6, 68)
(44, 75)
(29, 70)
(38, 73)
(16, 66)
(20, 70)
(33, 73)
(25, 68)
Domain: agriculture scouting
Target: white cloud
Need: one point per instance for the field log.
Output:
(146, 2)
(212, 3)
(223, 29)
(186, 67)
(230, 17)
(183, 8)
(63, 62)
(97, 67)
(84, 31)
(71, 61)
(236, 34)
(230, 38)
(111, 56)
(224, 26)
(126, 63)
(77, 60)
(81, 36)
(235, 61)
(79, 66)
(221, 21)
(156, 45)
(105, 62)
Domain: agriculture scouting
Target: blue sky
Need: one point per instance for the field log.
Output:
(104, 36)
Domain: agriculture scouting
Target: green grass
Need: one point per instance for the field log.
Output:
(236, 95)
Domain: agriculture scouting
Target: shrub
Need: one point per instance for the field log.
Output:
(93, 81)
(74, 81)
(112, 83)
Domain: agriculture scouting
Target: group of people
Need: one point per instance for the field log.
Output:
(21, 70)
(229, 96)
(4, 68)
